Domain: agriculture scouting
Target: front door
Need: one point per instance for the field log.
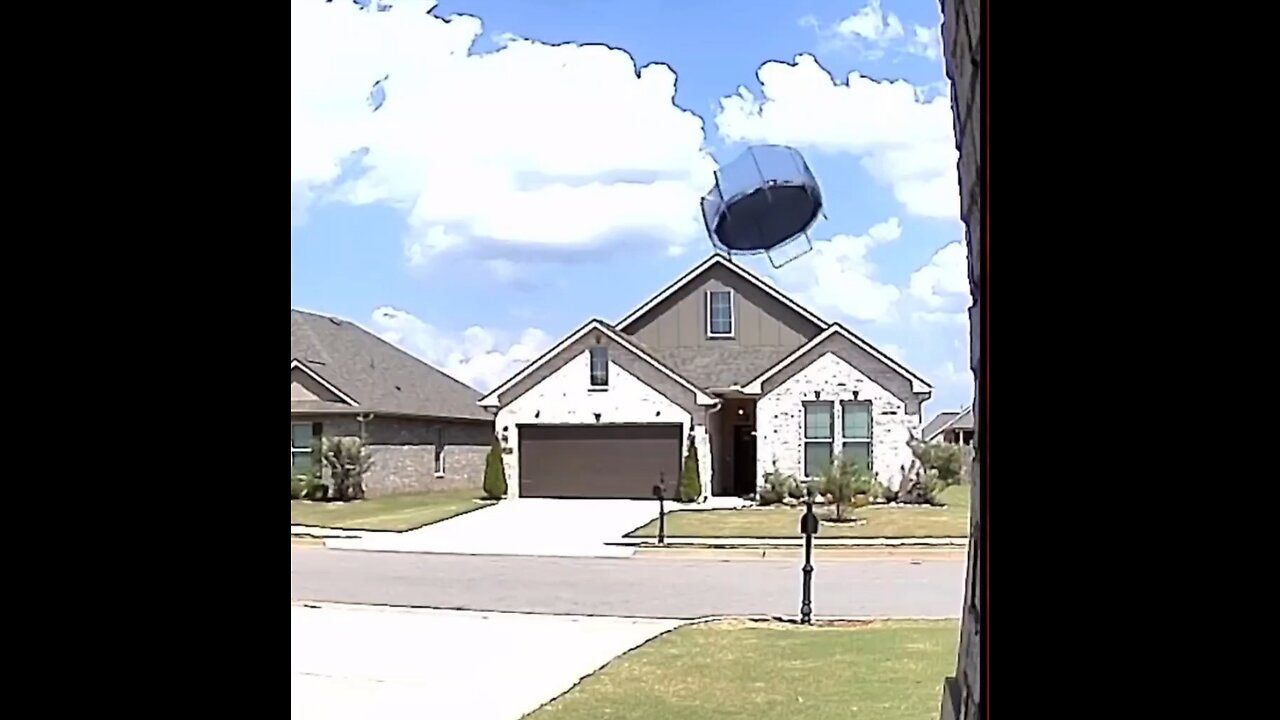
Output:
(744, 460)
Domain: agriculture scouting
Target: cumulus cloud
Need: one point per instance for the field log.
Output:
(838, 276)
(544, 148)
(903, 140)
(944, 279)
(479, 357)
(873, 33)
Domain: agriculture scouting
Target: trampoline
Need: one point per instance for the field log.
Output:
(763, 201)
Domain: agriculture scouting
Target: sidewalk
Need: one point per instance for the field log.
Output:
(729, 542)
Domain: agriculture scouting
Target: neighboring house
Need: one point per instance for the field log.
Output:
(756, 378)
(423, 426)
(951, 427)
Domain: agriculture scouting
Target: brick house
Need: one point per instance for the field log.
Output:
(756, 379)
(424, 427)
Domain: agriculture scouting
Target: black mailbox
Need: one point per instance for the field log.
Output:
(657, 491)
(809, 523)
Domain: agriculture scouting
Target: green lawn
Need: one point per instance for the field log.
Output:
(394, 512)
(780, 521)
(891, 670)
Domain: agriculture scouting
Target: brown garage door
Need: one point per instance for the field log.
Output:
(598, 461)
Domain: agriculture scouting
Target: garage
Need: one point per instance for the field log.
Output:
(598, 461)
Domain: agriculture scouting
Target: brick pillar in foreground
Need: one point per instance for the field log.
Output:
(961, 42)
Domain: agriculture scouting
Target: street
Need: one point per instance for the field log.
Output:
(643, 586)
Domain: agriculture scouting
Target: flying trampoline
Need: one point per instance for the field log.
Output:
(764, 201)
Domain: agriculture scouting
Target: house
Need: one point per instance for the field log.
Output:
(755, 378)
(951, 427)
(424, 427)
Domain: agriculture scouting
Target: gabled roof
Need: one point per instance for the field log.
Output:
(722, 261)
(963, 420)
(492, 399)
(297, 364)
(935, 426)
(371, 373)
(918, 384)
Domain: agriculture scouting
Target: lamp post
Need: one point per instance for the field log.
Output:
(660, 492)
(808, 528)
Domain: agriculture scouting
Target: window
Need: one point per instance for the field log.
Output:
(439, 451)
(300, 445)
(855, 433)
(599, 366)
(819, 429)
(720, 313)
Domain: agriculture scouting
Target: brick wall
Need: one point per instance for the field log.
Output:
(780, 419)
(404, 452)
(962, 43)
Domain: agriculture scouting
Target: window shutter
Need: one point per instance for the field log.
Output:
(317, 429)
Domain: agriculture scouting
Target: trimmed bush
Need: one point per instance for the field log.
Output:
(690, 479)
(495, 474)
(348, 460)
(777, 487)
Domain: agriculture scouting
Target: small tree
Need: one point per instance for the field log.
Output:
(495, 475)
(348, 460)
(840, 481)
(690, 480)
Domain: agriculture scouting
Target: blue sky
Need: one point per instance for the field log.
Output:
(537, 164)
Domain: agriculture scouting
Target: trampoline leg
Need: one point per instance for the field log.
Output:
(778, 265)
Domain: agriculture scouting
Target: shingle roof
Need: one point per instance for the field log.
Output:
(951, 420)
(932, 427)
(378, 375)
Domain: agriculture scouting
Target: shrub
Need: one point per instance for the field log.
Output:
(778, 486)
(950, 463)
(297, 486)
(348, 460)
(841, 481)
(495, 474)
(690, 479)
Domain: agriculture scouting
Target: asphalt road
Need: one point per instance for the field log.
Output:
(658, 587)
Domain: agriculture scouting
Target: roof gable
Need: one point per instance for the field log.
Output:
(918, 384)
(374, 374)
(628, 323)
(493, 398)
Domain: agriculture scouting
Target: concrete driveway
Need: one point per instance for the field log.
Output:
(385, 663)
(532, 526)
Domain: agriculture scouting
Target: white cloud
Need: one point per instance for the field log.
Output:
(544, 147)
(838, 277)
(871, 24)
(944, 279)
(903, 141)
(479, 357)
(873, 33)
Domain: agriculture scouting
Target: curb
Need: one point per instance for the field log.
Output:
(325, 605)
(787, 543)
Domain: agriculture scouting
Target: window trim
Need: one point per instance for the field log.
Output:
(851, 440)
(733, 314)
(294, 451)
(603, 351)
(828, 441)
(437, 460)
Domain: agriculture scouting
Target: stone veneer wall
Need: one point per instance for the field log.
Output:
(404, 452)
(780, 419)
(962, 45)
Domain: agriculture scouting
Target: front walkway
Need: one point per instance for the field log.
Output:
(385, 663)
(560, 528)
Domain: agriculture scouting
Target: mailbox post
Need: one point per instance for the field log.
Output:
(808, 528)
(660, 492)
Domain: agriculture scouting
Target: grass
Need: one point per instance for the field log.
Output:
(393, 512)
(891, 670)
(781, 521)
